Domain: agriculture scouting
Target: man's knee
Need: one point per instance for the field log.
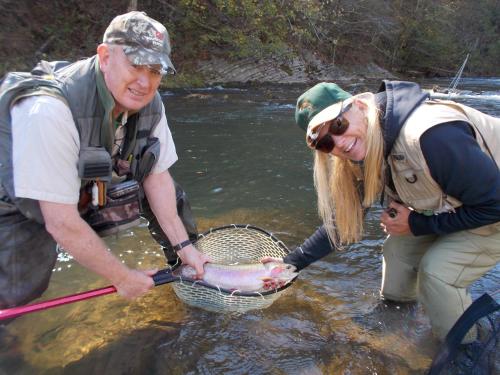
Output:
(27, 257)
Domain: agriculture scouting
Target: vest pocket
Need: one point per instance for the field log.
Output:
(402, 168)
(122, 210)
(148, 159)
(412, 187)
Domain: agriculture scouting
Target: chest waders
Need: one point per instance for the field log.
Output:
(27, 251)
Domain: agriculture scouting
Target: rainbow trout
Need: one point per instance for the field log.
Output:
(245, 277)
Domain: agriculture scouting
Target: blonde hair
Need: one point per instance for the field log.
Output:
(339, 182)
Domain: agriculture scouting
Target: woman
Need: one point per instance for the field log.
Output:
(438, 164)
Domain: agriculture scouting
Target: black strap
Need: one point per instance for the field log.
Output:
(481, 307)
(182, 245)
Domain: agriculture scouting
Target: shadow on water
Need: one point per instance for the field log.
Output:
(241, 160)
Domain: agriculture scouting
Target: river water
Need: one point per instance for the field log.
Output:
(241, 160)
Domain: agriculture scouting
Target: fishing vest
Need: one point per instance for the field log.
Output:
(81, 86)
(414, 184)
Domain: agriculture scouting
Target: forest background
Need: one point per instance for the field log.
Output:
(281, 41)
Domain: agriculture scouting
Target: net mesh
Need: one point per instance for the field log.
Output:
(233, 244)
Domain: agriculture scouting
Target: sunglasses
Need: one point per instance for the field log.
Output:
(337, 126)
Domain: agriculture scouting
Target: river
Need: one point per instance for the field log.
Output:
(241, 160)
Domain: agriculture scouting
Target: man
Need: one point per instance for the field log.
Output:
(441, 171)
(89, 140)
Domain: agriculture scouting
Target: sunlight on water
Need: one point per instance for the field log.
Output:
(242, 160)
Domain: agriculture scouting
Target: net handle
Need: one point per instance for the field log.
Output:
(161, 277)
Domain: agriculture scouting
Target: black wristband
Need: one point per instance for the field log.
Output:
(182, 245)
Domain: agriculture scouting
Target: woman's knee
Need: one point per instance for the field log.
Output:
(444, 303)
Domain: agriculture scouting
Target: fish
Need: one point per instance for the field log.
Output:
(252, 277)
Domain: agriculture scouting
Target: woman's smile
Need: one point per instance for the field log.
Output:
(349, 148)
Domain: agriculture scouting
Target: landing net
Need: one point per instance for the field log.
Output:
(233, 244)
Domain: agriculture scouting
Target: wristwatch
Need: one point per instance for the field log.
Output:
(182, 245)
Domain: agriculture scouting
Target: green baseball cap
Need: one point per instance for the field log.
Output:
(317, 98)
(144, 40)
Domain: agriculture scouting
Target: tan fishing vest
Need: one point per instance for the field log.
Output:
(414, 184)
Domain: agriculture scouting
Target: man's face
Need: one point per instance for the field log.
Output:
(132, 86)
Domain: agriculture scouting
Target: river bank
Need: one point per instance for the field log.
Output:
(270, 41)
(298, 70)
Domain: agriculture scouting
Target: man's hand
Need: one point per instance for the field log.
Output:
(64, 223)
(190, 255)
(135, 283)
(396, 222)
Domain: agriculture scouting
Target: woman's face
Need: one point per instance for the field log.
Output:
(351, 144)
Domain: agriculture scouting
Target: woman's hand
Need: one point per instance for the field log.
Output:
(394, 220)
(271, 259)
(272, 284)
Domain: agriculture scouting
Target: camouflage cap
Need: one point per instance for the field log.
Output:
(316, 99)
(144, 40)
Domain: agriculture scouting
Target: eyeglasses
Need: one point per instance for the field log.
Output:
(336, 126)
